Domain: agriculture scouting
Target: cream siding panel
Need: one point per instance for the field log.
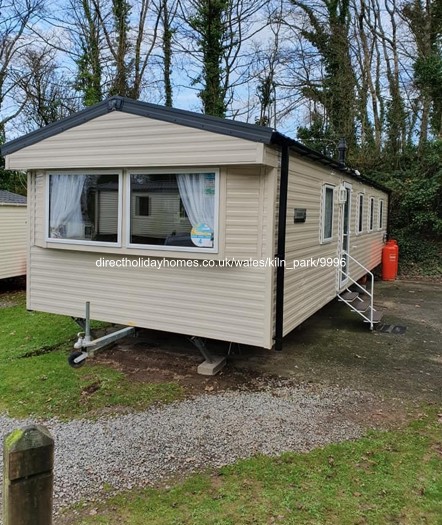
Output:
(272, 156)
(306, 290)
(220, 303)
(39, 222)
(13, 240)
(309, 289)
(107, 212)
(270, 181)
(367, 246)
(244, 211)
(123, 140)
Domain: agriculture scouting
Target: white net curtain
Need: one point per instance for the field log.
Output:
(197, 192)
(66, 217)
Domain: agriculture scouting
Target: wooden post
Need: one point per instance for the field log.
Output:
(28, 476)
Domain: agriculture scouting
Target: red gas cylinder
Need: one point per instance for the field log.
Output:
(390, 261)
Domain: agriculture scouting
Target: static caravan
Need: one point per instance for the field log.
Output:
(176, 221)
(13, 234)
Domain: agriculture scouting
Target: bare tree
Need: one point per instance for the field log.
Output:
(215, 34)
(49, 94)
(326, 27)
(87, 38)
(424, 20)
(168, 11)
(16, 15)
(130, 44)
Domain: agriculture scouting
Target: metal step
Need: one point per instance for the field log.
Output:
(377, 316)
(348, 296)
(361, 306)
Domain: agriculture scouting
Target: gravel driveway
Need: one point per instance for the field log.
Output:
(208, 431)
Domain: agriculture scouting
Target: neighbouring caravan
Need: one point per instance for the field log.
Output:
(13, 234)
(176, 221)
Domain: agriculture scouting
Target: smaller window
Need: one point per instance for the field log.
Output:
(371, 216)
(327, 213)
(360, 224)
(381, 214)
(142, 206)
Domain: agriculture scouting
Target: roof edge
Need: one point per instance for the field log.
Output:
(182, 117)
(233, 128)
(316, 156)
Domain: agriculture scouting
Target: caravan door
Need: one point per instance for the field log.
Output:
(344, 232)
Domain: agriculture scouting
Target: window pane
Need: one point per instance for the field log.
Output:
(142, 206)
(371, 213)
(84, 207)
(361, 212)
(181, 209)
(381, 212)
(328, 213)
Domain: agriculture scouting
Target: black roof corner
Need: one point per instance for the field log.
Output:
(115, 103)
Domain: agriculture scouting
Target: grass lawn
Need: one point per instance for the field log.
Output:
(385, 478)
(35, 378)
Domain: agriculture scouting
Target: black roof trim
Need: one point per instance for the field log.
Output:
(316, 156)
(144, 109)
(182, 117)
(53, 129)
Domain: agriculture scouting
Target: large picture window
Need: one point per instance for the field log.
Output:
(182, 210)
(84, 207)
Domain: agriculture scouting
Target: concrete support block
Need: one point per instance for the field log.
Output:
(207, 368)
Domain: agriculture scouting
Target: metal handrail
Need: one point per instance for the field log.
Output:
(370, 294)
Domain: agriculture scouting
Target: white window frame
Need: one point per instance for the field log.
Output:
(326, 240)
(380, 214)
(173, 171)
(84, 242)
(370, 223)
(358, 214)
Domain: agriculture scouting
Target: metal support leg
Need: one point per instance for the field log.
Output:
(86, 347)
(201, 345)
(212, 364)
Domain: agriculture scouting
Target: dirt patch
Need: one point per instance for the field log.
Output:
(333, 347)
(11, 291)
(155, 357)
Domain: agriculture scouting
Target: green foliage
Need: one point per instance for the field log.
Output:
(387, 477)
(88, 80)
(336, 91)
(416, 204)
(13, 181)
(266, 96)
(89, 67)
(166, 44)
(209, 23)
(428, 77)
(317, 136)
(121, 10)
(425, 22)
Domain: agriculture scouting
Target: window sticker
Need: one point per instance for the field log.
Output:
(202, 235)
